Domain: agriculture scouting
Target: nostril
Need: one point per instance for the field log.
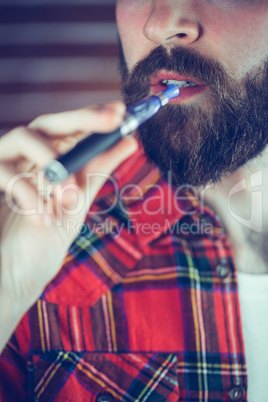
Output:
(181, 35)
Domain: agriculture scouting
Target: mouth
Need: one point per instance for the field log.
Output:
(189, 86)
(180, 84)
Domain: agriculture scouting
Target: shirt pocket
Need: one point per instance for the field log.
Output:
(99, 377)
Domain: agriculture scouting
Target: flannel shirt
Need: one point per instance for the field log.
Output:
(144, 308)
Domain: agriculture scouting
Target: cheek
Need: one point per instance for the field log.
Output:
(131, 17)
(239, 37)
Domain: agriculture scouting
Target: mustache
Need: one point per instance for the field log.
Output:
(199, 144)
(179, 60)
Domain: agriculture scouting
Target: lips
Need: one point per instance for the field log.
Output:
(185, 93)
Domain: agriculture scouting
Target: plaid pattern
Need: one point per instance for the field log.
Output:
(149, 312)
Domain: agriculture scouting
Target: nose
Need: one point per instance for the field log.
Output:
(172, 23)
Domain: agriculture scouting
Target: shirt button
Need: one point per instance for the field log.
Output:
(237, 394)
(105, 397)
(223, 271)
(205, 221)
(206, 225)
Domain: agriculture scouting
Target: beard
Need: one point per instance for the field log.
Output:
(199, 144)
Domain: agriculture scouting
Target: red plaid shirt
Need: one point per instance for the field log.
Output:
(145, 307)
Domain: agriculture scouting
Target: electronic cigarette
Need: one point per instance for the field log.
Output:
(91, 146)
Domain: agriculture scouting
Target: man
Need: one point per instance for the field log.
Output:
(148, 308)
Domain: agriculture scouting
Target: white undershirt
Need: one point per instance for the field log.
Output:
(253, 294)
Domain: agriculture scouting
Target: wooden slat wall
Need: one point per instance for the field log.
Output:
(55, 55)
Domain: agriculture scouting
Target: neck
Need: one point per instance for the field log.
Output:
(240, 199)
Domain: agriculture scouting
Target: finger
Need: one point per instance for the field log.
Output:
(28, 143)
(101, 118)
(65, 144)
(17, 187)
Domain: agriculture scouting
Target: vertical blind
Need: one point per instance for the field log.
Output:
(55, 55)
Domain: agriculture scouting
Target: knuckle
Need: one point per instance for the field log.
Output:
(113, 118)
(39, 120)
(23, 134)
(17, 132)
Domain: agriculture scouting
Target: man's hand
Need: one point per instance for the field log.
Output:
(34, 245)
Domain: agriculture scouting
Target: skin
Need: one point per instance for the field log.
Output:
(232, 32)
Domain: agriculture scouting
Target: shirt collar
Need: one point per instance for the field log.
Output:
(98, 260)
(149, 203)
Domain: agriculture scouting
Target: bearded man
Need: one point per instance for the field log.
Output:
(162, 294)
